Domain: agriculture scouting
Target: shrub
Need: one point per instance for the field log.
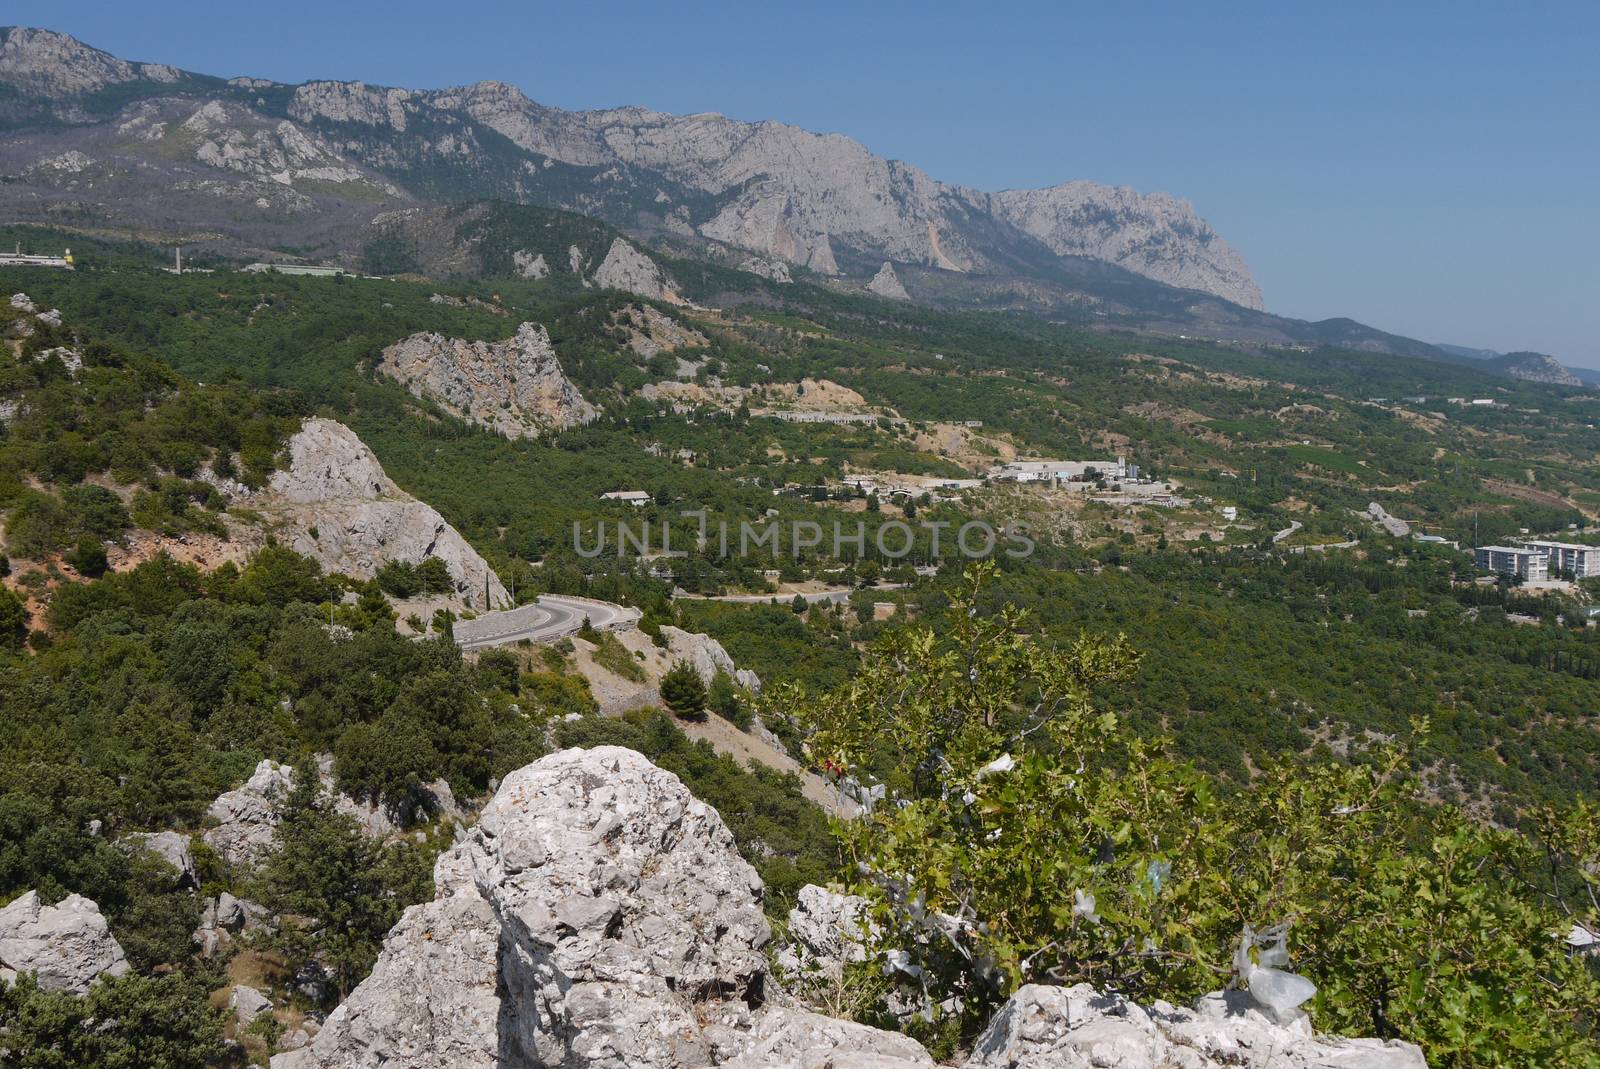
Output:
(1018, 833)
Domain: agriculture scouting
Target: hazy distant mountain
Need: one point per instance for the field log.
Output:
(1534, 367)
(95, 137)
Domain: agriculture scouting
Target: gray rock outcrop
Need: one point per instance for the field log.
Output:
(827, 930)
(1536, 367)
(247, 816)
(170, 847)
(608, 907)
(246, 1004)
(707, 655)
(797, 1039)
(1078, 1028)
(337, 505)
(887, 284)
(626, 268)
(513, 387)
(67, 945)
(771, 270)
(650, 331)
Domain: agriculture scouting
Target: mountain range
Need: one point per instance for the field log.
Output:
(256, 168)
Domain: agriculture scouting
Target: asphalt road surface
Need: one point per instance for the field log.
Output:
(545, 620)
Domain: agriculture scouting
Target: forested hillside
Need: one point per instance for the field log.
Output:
(1281, 651)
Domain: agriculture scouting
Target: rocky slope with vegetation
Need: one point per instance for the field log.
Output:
(514, 387)
(333, 503)
(812, 200)
(599, 915)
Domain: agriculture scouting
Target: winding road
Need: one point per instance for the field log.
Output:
(550, 617)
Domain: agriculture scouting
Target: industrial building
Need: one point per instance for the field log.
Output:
(22, 259)
(1580, 560)
(1531, 565)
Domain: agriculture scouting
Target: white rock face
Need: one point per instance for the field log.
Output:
(707, 655)
(626, 268)
(606, 905)
(362, 520)
(248, 816)
(624, 900)
(887, 284)
(1078, 1028)
(432, 1000)
(826, 930)
(170, 847)
(797, 1039)
(68, 944)
(1158, 236)
(514, 387)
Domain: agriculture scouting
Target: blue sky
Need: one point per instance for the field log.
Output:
(1433, 172)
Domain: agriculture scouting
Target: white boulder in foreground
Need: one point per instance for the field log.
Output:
(599, 916)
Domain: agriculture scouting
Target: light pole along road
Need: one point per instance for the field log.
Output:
(550, 617)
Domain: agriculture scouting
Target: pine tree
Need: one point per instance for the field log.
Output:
(684, 691)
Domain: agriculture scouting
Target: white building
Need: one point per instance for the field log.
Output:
(1032, 471)
(1582, 561)
(636, 498)
(22, 259)
(1529, 564)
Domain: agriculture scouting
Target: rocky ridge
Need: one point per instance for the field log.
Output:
(600, 916)
(513, 387)
(1536, 367)
(334, 503)
(787, 195)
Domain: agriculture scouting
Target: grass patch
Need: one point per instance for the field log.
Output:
(613, 656)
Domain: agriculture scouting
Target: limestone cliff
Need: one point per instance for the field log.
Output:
(334, 503)
(626, 268)
(513, 387)
(788, 195)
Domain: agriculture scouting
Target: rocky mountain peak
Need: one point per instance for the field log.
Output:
(1156, 235)
(887, 284)
(335, 503)
(48, 63)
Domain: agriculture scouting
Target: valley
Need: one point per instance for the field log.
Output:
(528, 586)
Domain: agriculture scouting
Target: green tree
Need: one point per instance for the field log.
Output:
(724, 700)
(132, 1022)
(1061, 847)
(13, 620)
(89, 557)
(344, 890)
(684, 692)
